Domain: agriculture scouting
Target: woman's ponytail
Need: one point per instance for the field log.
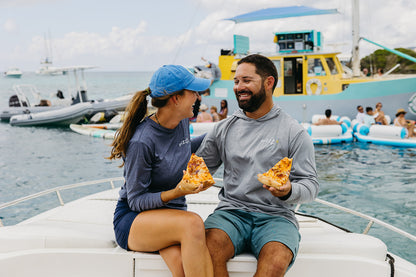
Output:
(135, 112)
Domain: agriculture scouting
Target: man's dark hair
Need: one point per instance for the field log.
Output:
(264, 66)
(368, 109)
(328, 113)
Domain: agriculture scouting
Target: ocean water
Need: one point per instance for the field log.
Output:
(376, 180)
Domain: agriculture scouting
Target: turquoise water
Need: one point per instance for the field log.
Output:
(376, 180)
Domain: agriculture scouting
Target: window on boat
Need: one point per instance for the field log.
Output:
(315, 67)
(293, 81)
(331, 65)
(277, 64)
(288, 69)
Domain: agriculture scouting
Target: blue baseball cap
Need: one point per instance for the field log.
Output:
(173, 78)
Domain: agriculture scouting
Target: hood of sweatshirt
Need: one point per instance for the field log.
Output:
(274, 112)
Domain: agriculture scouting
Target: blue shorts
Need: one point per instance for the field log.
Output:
(250, 231)
(122, 221)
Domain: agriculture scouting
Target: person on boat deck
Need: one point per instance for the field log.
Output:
(366, 73)
(401, 121)
(251, 216)
(327, 120)
(151, 213)
(369, 117)
(59, 94)
(380, 72)
(44, 102)
(203, 115)
(360, 114)
(379, 115)
(196, 106)
(214, 113)
(223, 109)
(215, 71)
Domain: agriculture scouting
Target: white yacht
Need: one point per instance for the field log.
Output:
(77, 239)
(13, 72)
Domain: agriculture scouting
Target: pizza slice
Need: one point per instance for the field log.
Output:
(197, 173)
(278, 175)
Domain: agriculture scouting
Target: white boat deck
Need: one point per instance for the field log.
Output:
(78, 240)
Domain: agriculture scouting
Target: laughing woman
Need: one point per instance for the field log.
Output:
(151, 211)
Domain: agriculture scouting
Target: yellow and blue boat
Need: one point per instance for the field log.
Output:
(312, 80)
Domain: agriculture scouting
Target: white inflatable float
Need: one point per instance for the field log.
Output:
(383, 135)
(198, 129)
(329, 134)
(92, 131)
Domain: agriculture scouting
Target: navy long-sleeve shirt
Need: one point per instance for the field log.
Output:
(154, 162)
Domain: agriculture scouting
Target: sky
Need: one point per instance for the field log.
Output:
(141, 35)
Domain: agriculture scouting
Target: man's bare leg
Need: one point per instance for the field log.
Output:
(274, 259)
(221, 249)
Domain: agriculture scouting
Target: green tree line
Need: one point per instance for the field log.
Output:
(386, 60)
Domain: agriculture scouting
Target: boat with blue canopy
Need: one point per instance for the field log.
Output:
(310, 78)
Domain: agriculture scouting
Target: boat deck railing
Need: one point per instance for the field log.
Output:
(57, 190)
(371, 220)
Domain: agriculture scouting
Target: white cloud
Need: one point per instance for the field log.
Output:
(10, 26)
(135, 48)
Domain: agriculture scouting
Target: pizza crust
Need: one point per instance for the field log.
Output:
(278, 175)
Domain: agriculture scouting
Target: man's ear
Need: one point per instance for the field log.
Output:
(269, 82)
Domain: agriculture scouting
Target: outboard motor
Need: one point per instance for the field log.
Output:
(84, 97)
(14, 102)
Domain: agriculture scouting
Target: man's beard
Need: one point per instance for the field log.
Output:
(255, 101)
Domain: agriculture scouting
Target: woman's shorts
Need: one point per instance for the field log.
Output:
(250, 231)
(122, 221)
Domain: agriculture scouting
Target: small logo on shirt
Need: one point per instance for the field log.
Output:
(185, 141)
(268, 142)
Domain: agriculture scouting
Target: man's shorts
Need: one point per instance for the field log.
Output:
(250, 231)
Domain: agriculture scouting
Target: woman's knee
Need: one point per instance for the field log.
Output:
(194, 226)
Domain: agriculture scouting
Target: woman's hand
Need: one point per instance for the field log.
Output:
(185, 187)
(182, 188)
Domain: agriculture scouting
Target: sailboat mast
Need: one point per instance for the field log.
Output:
(50, 46)
(355, 38)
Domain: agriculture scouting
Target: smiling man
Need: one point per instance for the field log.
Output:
(252, 217)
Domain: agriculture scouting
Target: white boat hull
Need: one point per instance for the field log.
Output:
(13, 73)
(393, 93)
(78, 240)
(118, 104)
(59, 117)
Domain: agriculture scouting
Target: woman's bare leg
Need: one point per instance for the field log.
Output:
(157, 229)
(173, 259)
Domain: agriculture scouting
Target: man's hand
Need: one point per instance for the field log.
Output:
(281, 191)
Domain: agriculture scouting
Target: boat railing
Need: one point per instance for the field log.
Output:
(57, 191)
(24, 90)
(371, 220)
